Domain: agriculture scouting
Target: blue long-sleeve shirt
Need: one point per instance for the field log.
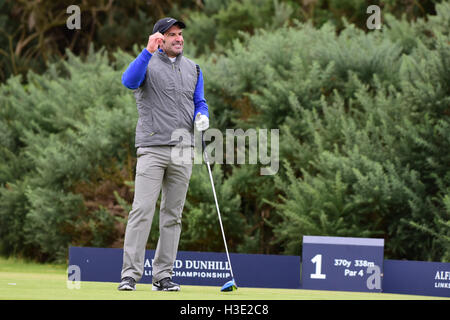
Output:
(133, 77)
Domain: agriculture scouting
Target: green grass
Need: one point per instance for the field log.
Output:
(21, 280)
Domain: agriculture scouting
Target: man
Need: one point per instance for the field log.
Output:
(168, 89)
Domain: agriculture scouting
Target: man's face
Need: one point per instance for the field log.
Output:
(173, 41)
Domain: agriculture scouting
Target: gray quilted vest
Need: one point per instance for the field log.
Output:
(165, 102)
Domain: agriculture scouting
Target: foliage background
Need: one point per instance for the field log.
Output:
(363, 118)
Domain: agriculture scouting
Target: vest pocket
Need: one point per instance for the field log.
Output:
(147, 124)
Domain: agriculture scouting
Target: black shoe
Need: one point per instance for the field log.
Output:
(165, 284)
(127, 284)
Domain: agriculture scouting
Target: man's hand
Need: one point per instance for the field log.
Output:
(201, 122)
(154, 41)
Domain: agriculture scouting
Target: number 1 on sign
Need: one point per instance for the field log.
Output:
(317, 260)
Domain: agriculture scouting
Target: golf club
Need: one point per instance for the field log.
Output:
(230, 285)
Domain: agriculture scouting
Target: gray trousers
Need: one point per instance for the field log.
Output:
(156, 171)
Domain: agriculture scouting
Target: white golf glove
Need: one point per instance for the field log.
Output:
(201, 122)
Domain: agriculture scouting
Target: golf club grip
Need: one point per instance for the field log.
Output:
(204, 149)
(203, 142)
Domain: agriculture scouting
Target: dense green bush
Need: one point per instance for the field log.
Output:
(70, 138)
(364, 121)
(34, 32)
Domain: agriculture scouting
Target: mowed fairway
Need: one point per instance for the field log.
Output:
(24, 281)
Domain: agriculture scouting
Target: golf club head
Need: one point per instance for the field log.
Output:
(229, 286)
